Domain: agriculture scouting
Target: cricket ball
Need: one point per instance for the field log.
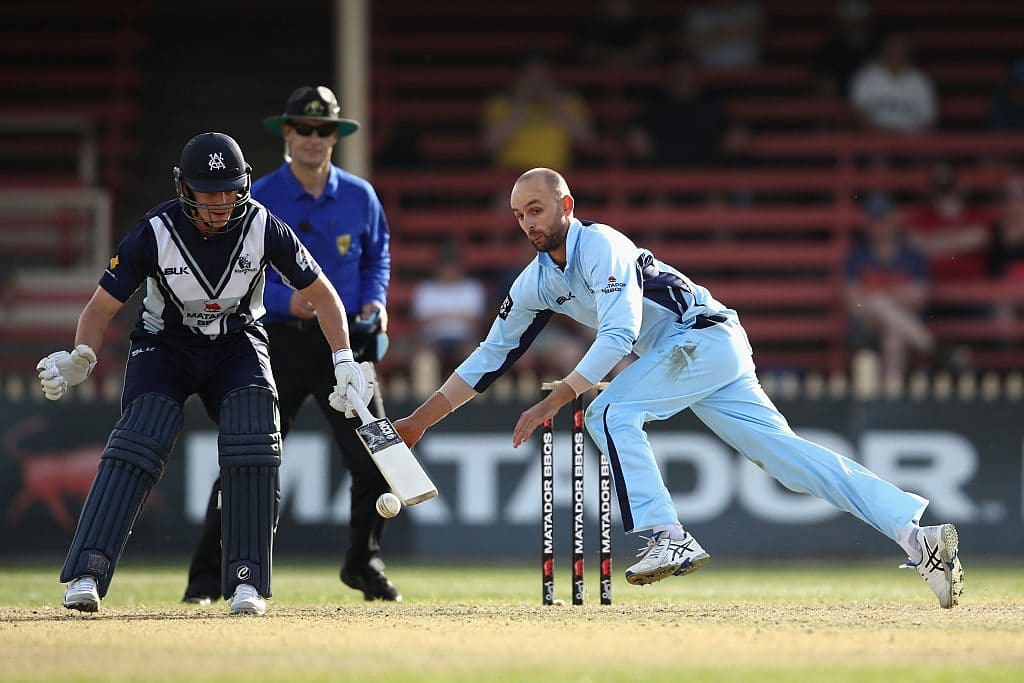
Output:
(388, 505)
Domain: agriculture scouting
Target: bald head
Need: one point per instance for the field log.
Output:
(538, 178)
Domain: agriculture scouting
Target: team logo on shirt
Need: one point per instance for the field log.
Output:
(505, 308)
(244, 264)
(613, 285)
(217, 161)
(343, 242)
(114, 261)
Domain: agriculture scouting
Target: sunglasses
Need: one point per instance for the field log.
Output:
(305, 130)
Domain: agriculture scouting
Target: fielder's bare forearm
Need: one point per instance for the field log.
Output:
(95, 319)
(431, 411)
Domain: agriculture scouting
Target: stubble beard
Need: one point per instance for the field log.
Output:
(552, 241)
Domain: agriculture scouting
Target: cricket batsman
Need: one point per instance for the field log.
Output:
(203, 257)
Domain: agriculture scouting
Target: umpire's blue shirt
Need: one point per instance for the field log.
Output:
(344, 229)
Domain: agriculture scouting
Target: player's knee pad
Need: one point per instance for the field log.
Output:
(132, 463)
(250, 458)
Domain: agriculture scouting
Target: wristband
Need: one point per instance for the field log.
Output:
(343, 356)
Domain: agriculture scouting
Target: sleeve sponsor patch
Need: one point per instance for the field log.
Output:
(505, 308)
(302, 258)
(613, 285)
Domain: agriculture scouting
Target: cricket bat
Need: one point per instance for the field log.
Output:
(393, 458)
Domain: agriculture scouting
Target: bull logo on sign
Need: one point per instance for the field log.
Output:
(52, 477)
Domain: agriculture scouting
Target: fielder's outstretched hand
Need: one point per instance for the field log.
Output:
(61, 370)
(531, 419)
(409, 430)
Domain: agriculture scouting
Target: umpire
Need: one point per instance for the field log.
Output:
(339, 218)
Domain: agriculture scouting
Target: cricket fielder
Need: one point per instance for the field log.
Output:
(693, 353)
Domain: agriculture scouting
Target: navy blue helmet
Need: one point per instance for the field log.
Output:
(212, 162)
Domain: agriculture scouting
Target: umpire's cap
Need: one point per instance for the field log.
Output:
(308, 102)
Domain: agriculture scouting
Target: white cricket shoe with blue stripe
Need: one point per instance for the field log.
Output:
(940, 566)
(663, 557)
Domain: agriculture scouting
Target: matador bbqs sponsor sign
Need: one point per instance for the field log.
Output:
(967, 458)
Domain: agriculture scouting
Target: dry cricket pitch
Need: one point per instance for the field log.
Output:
(806, 625)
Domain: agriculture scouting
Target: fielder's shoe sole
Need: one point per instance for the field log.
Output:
(940, 566)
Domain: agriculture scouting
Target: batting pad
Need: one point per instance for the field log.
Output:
(250, 458)
(132, 464)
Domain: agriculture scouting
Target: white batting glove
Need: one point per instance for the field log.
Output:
(347, 373)
(61, 370)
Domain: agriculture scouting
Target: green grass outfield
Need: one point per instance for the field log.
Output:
(773, 621)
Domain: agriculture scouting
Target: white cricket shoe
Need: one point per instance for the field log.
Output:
(81, 594)
(940, 567)
(663, 557)
(247, 601)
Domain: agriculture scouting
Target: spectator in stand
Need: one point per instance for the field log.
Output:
(1008, 249)
(8, 290)
(618, 38)
(891, 94)
(1007, 113)
(681, 125)
(850, 44)
(449, 309)
(886, 289)
(538, 123)
(955, 237)
(398, 144)
(724, 33)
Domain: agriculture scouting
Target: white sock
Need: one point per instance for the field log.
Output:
(908, 541)
(674, 531)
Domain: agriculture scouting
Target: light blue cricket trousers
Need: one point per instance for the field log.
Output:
(711, 371)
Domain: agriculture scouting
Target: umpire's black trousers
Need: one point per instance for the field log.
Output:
(301, 360)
